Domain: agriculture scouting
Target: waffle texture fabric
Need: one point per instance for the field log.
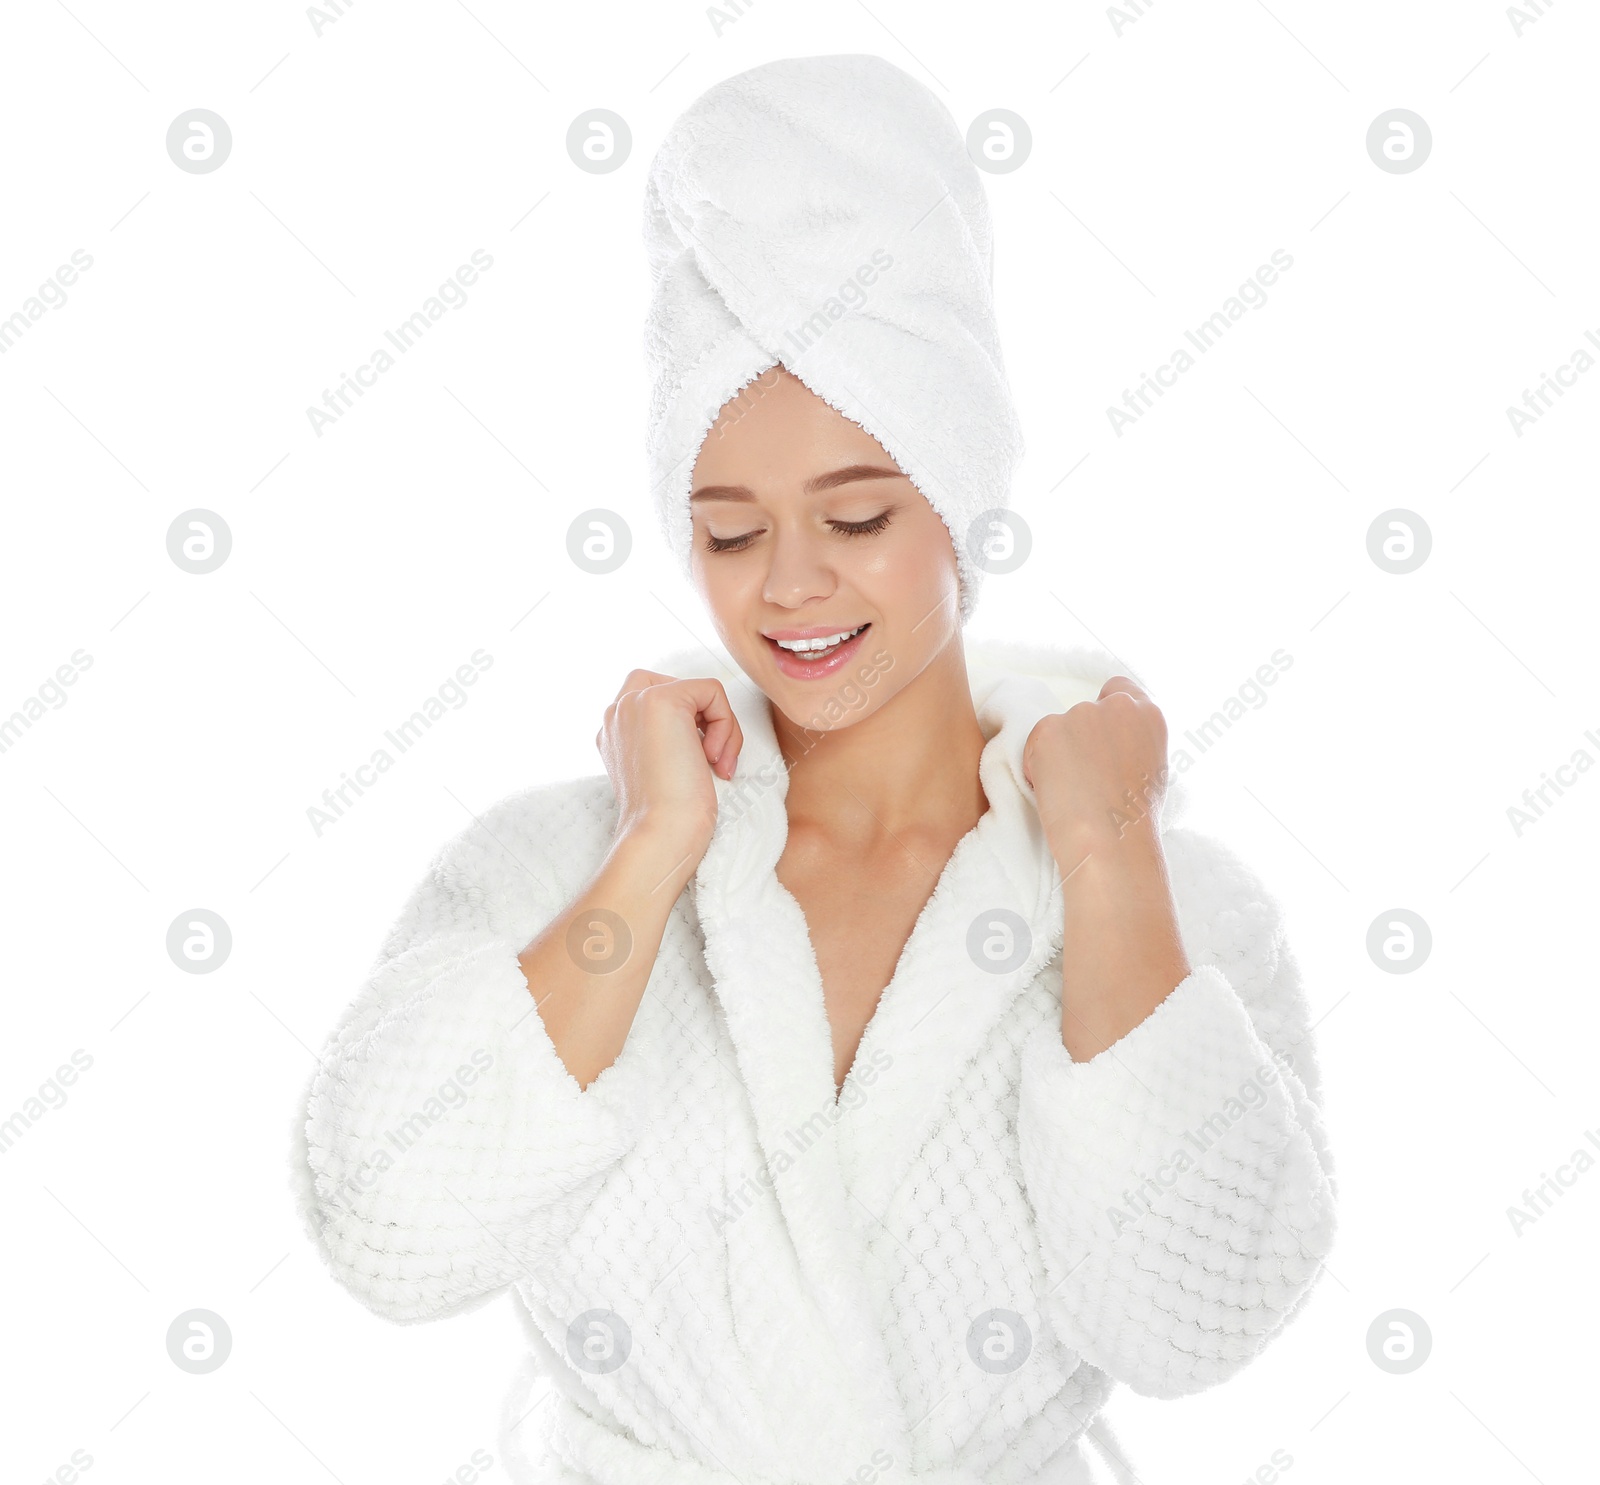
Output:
(728, 1274)
(823, 212)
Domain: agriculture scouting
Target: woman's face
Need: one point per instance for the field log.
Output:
(805, 528)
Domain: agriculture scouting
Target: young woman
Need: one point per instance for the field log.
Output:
(863, 1073)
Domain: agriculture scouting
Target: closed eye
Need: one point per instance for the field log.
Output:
(844, 528)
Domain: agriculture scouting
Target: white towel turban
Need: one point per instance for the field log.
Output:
(824, 212)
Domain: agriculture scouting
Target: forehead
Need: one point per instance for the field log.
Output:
(777, 432)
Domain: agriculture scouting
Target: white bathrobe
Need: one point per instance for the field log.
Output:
(731, 1277)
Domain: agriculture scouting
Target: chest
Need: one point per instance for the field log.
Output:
(859, 913)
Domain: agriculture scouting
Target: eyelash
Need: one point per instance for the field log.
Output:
(844, 528)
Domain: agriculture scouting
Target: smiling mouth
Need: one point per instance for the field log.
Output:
(815, 649)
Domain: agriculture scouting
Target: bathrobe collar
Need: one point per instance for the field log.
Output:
(834, 1166)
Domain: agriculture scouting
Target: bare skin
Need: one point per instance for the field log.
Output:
(883, 788)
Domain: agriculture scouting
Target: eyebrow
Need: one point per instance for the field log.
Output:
(818, 482)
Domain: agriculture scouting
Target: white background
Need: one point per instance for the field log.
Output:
(1168, 162)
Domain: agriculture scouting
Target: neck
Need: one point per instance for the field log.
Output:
(912, 763)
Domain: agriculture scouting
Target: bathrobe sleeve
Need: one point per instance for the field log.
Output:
(1181, 1178)
(446, 1149)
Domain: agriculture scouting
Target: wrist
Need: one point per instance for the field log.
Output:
(1102, 850)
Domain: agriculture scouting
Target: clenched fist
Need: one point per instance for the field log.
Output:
(1097, 770)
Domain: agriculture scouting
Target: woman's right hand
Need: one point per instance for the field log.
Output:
(660, 763)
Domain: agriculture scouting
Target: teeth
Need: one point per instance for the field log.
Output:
(826, 643)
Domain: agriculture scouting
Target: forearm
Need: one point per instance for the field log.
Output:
(1121, 953)
(587, 972)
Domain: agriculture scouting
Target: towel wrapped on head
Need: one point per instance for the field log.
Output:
(823, 212)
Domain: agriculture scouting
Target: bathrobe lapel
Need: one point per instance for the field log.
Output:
(834, 1166)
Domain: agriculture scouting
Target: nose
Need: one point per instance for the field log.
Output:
(798, 571)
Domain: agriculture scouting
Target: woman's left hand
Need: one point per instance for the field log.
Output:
(1098, 770)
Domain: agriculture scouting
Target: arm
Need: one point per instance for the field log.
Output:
(444, 1148)
(1181, 1174)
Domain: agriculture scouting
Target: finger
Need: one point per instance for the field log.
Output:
(638, 679)
(1123, 683)
(714, 714)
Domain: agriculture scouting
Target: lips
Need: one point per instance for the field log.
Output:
(832, 660)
